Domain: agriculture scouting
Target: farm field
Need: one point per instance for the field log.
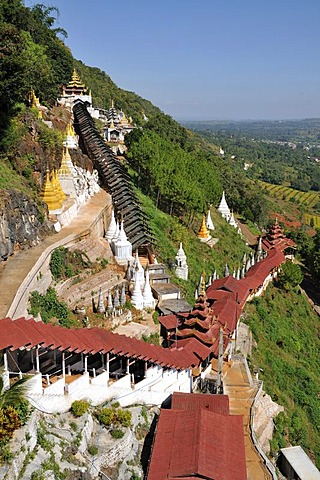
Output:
(309, 199)
(316, 220)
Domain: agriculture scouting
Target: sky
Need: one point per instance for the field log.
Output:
(203, 59)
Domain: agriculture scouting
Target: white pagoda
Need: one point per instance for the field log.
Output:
(181, 264)
(122, 246)
(209, 222)
(223, 208)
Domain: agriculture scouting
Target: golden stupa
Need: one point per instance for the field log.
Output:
(203, 233)
(49, 195)
(57, 185)
(66, 159)
(203, 285)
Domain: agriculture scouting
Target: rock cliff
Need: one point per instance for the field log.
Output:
(22, 224)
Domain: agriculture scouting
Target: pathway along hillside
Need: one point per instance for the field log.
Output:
(18, 267)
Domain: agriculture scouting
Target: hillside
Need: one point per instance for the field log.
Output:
(287, 352)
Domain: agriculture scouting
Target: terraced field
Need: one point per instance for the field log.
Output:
(309, 199)
(316, 220)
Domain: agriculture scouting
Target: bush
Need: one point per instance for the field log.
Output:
(9, 422)
(79, 407)
(117, 433)
(114, 417)
(93, 450)
(290, 276)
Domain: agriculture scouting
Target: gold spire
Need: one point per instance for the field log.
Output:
(57, 186)
(203, 285)
(112, 103)
(64, 167)
(75, 80)
(49, 195)
(203, 232)
(111, 124)
(70, 130)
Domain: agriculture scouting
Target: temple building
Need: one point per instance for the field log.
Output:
(275, 238)
(220, 306)
(74, 90)
(117, 126)
(223, 208)
(198, 438)
(93, 364)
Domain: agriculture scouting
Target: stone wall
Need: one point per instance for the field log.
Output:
(21, 223)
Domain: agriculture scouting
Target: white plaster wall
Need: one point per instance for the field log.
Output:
(56, 388)
(101, 379)
(79, 388)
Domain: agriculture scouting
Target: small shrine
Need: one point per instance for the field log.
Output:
(122, 247)
(204, 234)
(181, 264)
(66, 174)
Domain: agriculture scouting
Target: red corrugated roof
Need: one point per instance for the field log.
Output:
(29, 333)
(223, 304)
(198, 444)
(194, 401)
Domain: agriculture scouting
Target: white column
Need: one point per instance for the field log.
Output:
(37, 360)
(107, 364)
(145, 369)
(127, 367)
(5, 360)
(85, 363)
(63, 366)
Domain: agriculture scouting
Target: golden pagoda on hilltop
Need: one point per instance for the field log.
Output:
(49, 195)
(203, 233)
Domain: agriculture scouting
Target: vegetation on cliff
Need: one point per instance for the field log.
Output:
(286, 331)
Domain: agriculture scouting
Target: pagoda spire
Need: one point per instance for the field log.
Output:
(112, 227)
(223, 208)
(110, 303)
(49, 195)
(148, 300)
(203, 233)
(136, 298)
(100, 308)
(209, 222)
(57, 186)
(123, 294)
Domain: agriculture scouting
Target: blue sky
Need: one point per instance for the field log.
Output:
(209, 59)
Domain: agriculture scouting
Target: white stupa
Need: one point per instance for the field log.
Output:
(71, 140)
(232, 221)
(181, 264)
(209, 222)
(137, 266)
(223, 207)
(148, 300)
(112, 228)
(136, 297)
(122, 246)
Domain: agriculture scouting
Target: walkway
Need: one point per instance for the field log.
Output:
(19, 265)
(241, 397)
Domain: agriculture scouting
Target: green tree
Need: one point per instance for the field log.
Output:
(290, 276)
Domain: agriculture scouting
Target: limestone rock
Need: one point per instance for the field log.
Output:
(21, 223)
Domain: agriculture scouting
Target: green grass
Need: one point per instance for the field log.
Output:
(169, 232)
(288, 351)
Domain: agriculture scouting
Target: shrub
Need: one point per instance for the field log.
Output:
(114, 417)
(117, 433)
(9, 422)
(79, 407)
(93, 450)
